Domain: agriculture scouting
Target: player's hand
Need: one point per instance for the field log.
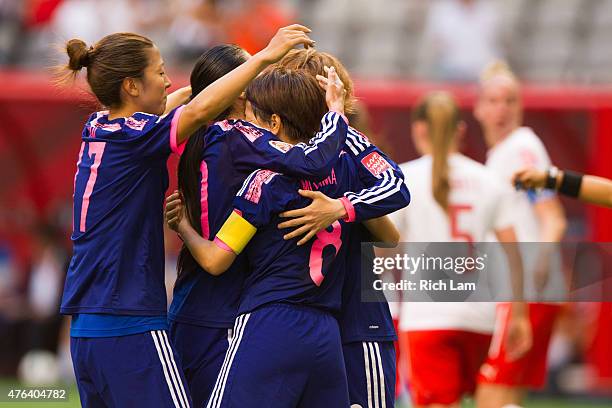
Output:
(529, 178)
(334, 90)
(320, 214)
(519, 336)
(283, 41)
(174, 211)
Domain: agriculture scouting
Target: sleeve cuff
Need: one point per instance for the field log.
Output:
(177, 149)
(350, 210)
(218, 242)
(343, 116)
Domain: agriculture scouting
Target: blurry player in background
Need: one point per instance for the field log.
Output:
(459, 200)
(114, 288)
(539, 217)
(367, 329)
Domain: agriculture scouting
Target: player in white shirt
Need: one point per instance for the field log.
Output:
(456, 199)
(539, 218)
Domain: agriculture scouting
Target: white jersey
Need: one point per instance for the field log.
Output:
(477, 206)
(521, 149)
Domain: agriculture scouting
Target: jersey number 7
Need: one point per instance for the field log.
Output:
(95, 149)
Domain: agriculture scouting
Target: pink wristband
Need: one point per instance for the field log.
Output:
(350, 210)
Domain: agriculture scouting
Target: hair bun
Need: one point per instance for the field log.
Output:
(78, 53)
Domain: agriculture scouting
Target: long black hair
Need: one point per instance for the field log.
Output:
(212, 65)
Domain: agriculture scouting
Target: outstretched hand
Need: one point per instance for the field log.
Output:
(529, 178)
(320, 214)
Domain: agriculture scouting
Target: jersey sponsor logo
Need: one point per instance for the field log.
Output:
(375, 163)
(280, 146)
(250, 132)
(262, 177)
(135, 124)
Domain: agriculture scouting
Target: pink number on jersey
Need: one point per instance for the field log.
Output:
(204, 200)
(97, 150)
(324, 238)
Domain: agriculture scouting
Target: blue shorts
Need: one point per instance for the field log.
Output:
(370, 368)
(137, 370)
(200, 352)
(283, 356)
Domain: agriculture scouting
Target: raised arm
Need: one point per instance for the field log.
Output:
(218, 96)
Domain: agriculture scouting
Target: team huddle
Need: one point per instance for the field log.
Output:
(276, 194)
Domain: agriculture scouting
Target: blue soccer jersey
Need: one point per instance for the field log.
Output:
(117, 265)
(381, 190)
(234, 149)
(280, 270)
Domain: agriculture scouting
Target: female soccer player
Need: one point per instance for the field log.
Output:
(539, 217)
(211, 171)
(459, 201)
(367, 329)
(585, 187)
(114, 289)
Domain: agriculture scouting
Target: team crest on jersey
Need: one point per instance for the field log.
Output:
(280, 146)
(375, 163)
(250, 132)
(135, 124)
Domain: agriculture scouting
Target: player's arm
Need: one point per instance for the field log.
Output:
(385, 193)
(314, 159)
(177, 98)
(383, 230)
(519, 336)
(587, 188)
(215, 257)
(219, 95)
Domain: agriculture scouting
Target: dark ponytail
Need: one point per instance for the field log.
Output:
(212, 65)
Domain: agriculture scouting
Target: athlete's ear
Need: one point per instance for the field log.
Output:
(275, 124)
(130, 86)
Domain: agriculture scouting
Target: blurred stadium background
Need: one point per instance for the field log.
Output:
(397, 49)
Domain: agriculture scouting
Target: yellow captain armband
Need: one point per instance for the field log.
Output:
(236, 232)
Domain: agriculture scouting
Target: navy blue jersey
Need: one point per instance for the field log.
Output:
(117, 265)
(381, 191)
(280, 270)
(234, 149)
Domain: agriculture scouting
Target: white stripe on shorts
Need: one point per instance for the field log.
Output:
(174, 366)
(165, 368)
(217, 395)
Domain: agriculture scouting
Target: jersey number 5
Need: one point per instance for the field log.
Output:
(95, 149)
(324, 238)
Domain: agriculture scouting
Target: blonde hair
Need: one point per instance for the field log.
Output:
(439, 110)
(497, 69)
